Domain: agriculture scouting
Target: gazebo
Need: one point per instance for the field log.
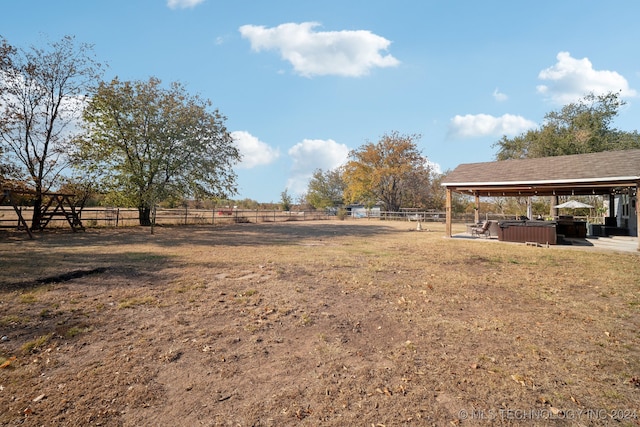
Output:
(608, 173)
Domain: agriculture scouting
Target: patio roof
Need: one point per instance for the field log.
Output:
(604, 173)
(594, 173)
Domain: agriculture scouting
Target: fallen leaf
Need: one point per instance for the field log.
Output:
(518, 378)
(8, 362)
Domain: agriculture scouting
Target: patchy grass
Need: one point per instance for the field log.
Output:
(13, 319)
(324, 323)
(36, 344)
(28, 298)
(136, 301)
(74, 331)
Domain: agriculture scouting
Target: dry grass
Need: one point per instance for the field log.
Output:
(321, 323)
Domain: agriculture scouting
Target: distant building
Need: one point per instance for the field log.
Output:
(361, 211)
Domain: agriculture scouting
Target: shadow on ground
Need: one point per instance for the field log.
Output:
(227, 235)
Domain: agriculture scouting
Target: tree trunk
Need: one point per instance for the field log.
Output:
(36, 219)
(144, 215)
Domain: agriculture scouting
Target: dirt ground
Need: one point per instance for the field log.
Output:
(323, 323)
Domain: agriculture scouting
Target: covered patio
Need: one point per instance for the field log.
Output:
(609, 174)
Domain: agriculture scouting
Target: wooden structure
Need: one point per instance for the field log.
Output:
(22, 224)
(60, 205)
(55, 205)
(607, 173)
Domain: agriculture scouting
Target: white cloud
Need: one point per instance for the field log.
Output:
(434, 167)
(183, 4)
(69, 115)
(317, 53)
(254, 152)
(473, 125)
(312, 154)
(499, 96)
(571, 79)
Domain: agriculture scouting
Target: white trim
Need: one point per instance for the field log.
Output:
(634, 179)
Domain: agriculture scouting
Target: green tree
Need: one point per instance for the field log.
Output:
(581, 127)
(325, 189)
(436, 198)
(385, 171)
(285, 200)
(42, 93)
(248, 204)
(152, 143)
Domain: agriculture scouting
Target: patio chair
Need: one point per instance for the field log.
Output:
(482, 231)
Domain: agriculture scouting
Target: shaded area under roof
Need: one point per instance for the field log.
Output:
(594, 173)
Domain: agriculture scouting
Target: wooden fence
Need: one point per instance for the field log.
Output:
(124, 217)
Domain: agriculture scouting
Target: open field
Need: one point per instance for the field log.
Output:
(328, 323)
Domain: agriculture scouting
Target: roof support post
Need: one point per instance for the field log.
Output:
(553, 212)
(638, 213)
(476, 214)
(447, 226)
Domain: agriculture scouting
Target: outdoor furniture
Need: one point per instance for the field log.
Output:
(601, 230)
(570, 228)
(482, 231)
(470, 227)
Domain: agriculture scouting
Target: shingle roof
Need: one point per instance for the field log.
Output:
(607, 164)
(610, 168)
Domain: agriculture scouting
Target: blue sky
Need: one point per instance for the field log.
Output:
(302, 82)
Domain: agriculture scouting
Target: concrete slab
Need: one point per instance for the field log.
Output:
(613, 243)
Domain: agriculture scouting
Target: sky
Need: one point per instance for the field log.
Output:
(303, 82)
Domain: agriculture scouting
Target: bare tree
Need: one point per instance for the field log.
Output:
(42, 93)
